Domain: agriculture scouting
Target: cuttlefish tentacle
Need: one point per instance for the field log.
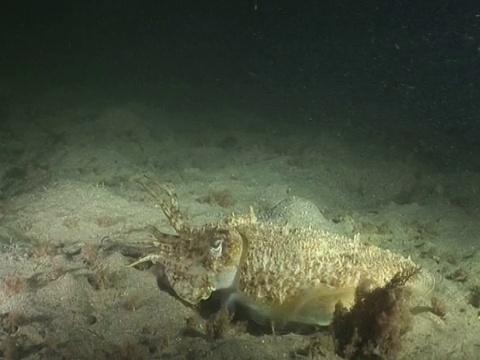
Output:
(162, 252)
(169, 206)
(158, 236)
(196, 261)
(162, 245)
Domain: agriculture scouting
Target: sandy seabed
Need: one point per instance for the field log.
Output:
(64, 182)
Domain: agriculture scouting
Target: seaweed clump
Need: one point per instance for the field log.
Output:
(373, 328)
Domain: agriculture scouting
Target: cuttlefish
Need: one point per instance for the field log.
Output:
(279, 273)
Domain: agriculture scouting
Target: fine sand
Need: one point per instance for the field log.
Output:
(65, 190)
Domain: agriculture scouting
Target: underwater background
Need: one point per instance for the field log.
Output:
(365, 113)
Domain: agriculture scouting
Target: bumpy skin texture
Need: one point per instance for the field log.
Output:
(279, 273)
(198, 260)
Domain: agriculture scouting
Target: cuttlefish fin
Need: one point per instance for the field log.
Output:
(313, 306)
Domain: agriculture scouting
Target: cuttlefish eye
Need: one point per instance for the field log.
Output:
(216, 248)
